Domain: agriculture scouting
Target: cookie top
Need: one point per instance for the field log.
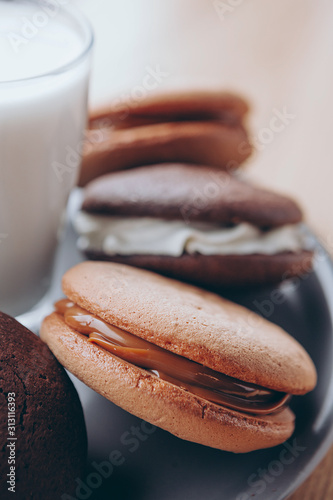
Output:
(50, 428)
(193, 323)
(172, 106)
(188, 192)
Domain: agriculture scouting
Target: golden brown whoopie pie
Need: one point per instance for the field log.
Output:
(193, 127)
(184, 359)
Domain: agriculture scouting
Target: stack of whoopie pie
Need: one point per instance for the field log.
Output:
(180, 209)
(182, 358)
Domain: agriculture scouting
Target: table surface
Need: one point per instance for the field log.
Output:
(319, 486)
(277, 54)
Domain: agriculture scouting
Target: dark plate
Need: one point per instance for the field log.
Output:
(151, 464)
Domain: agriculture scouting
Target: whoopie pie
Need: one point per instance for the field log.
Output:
(186, 360)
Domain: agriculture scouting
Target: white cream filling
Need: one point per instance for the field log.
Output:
(151, 236)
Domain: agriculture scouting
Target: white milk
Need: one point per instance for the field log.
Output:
(41, 126)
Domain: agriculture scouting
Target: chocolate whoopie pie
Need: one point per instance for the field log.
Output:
(43, 436)
(193, 223)
(194, 127)
(181, 358)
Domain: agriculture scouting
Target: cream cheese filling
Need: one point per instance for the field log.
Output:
(153, 236)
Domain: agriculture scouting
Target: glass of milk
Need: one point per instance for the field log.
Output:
(45, 49)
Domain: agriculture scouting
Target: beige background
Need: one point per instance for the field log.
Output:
(277, 54)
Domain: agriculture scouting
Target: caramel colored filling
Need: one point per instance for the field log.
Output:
(189, 375)
(138, 120)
